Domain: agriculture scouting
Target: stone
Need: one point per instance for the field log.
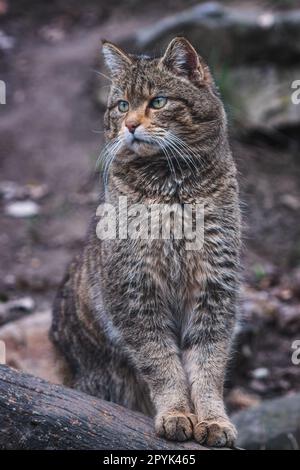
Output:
(22, 209)
(272, 425)
(13, 309)
(6, 42)
(227, 34)
(28, 347)
(260, 98)
(260, 373)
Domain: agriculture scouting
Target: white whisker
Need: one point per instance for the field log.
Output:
(107, 156)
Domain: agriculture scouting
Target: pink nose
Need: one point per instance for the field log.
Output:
(131, 126)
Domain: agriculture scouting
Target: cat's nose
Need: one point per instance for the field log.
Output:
(132, 125)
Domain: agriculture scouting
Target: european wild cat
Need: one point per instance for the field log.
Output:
(148, 323)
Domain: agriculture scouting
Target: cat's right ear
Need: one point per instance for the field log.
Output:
(182, 59)
(115, 59)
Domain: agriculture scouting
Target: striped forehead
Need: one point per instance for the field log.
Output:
(140, 83)
(141, 86)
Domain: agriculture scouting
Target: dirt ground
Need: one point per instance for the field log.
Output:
(50, 137)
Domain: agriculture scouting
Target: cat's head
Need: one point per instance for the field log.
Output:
(166, 104)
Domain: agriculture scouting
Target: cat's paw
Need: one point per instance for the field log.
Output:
(175, 425)
(218, 432)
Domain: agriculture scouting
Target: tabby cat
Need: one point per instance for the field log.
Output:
(148, 323)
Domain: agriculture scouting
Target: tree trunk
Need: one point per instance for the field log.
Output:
(35, 414)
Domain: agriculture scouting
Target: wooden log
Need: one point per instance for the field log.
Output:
(35, 414)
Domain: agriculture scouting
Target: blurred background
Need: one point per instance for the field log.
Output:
(50, 138)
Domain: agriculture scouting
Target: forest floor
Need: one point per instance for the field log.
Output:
(50, 134)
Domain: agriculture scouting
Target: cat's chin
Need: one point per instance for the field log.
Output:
(143, 149)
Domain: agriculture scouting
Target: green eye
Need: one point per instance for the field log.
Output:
(123, 106)
(158, 102)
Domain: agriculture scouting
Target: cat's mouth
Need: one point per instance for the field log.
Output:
(140, 143)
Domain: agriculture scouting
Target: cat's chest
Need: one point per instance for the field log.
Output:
(176, 269)
(180, 276)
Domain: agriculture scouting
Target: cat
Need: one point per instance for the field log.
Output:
(148, 323)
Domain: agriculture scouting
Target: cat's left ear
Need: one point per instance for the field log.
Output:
(116, 60)
(182, 59)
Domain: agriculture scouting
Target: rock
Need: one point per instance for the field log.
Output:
(227, 34)
(260, 373)
(22, 209)
(260, 98)
(290, 201)
(28, 347)
(6, 42)
(13, 309)
(274, 424)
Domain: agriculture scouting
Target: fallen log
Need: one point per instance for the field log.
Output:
(35, 414)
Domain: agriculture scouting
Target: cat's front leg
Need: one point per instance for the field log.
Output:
(206, 366)
(144, 325)
(206, 347)
(157, 360)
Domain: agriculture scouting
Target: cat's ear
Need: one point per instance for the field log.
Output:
(115, 59)
(182, 59)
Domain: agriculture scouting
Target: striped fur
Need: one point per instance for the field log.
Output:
(146, 323)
